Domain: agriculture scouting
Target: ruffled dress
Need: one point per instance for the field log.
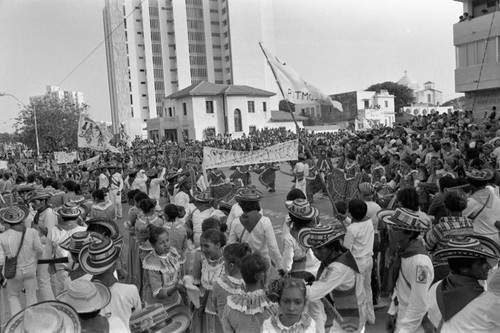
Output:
(205, 273)
(224, 287)
(305, 325)
(161, 271)
(246, 312)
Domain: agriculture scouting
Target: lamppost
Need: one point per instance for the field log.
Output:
(34, 117)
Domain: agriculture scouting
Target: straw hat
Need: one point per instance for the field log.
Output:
(182, 180)
(249, 193)
(104, 227)
(70, 210)
(468, 247)
(480, 175)
(301, 209)
(98, 256)
(45, 317)
(86, 296)
(406, 219)
(78, 240)
(39, 195)
(202, 196)
(14, 214)
(320, 235)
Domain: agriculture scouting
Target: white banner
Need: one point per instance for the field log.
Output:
(285, 151)
(4, 165)
(93, 136)
(90, 163)
(63, 157)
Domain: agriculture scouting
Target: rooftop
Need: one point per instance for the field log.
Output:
(205, 88)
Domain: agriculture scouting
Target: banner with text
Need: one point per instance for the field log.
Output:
(91, 162)
(64, 157)
(91, 135)
(281, 152)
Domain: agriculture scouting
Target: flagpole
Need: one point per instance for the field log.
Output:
(335, 212)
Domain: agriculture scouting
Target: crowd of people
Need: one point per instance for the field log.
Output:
(416, 223)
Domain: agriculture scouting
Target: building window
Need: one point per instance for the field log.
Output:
(185, 134)
(264, 106)
(367, 104)
(170, 114)
(184, 109)
(386, 103)
(251, 107)
(209, 106)
(237, 121)
(252, 129)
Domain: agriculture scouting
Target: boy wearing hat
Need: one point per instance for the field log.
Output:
(25, 244)
(338, 282)
(412, 271)
(459, 303)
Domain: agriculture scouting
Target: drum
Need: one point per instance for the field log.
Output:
(156, 319)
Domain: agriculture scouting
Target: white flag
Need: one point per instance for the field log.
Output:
(294, 88)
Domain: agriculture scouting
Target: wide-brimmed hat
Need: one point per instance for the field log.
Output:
(156, 318)
(249, 194)
(302, 209)
(70, 210)
(78, 240)
(98, 256)
(182, 180)
(45, 317)
(104, 227)
(480, 175)
(25, 188)
(86, 296)
(14, 214)
(202, 196)
(320, 235)
(39, 195)
(406, 219)
(469, 247)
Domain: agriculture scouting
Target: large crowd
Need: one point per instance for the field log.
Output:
(416, 226)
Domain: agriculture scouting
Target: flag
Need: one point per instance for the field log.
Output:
(294, 88)
(94, 136)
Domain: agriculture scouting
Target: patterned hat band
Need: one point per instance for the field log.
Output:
(102, 255)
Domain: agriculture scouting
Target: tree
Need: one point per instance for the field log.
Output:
(283, 107)
(457, 103)
(57, 124)
(403, 95)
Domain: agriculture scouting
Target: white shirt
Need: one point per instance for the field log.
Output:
(124, 299)
(116, 181)
(103, 181)
(262, 239)
(154, 186)
(359, 239)
(480, 315)
(290, 248)
(371, 213)
(484, 223)
(411, 291)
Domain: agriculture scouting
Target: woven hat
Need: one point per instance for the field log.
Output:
(85, 296)
(78, 240)
(302, 209)
(39, 195)
(182, 180)
(45, 317)
(70, 210)
(14, 214)
(469, 247)
(320, 235)
(104, 227)
(25, 188)
(481, 175)
(249, 194)
(406, 219)
(98, 256)
(202, 196)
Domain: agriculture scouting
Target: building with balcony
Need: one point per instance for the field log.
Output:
(476, 40)
(205, 109)
(56, 93)
(156, 47)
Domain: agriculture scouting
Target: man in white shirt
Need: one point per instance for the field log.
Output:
(115, 190)
(104, 178)
(459, 303)
(413, 270)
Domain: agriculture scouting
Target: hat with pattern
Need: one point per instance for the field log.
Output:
(406, 219)
(469, 247)
(78, 240)
(320, 235)
(14, 214)
(70, 210)
(249, 193)
(39, 195)
(302, 209)
(202, 196)
(481, 175)
(98, 256)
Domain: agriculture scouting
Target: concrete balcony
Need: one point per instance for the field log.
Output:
(476, 29)
(466, 79)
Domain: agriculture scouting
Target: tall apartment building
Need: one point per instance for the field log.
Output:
(57, 93)
(476, 39)
(157, 47)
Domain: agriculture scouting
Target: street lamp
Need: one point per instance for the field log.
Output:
(34, 116)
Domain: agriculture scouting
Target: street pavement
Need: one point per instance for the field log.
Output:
(274, 208)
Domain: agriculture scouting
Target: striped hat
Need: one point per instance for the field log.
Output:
(406, 219)
(70, 210)
(14, 214)
(249, 193)
(302, 209)
(98, 256)
(320, 235)
(202, 196)
(106, 228)
(78, 240)
(480, 175)
(469, 247)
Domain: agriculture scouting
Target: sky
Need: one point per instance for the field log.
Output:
(338, 46)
